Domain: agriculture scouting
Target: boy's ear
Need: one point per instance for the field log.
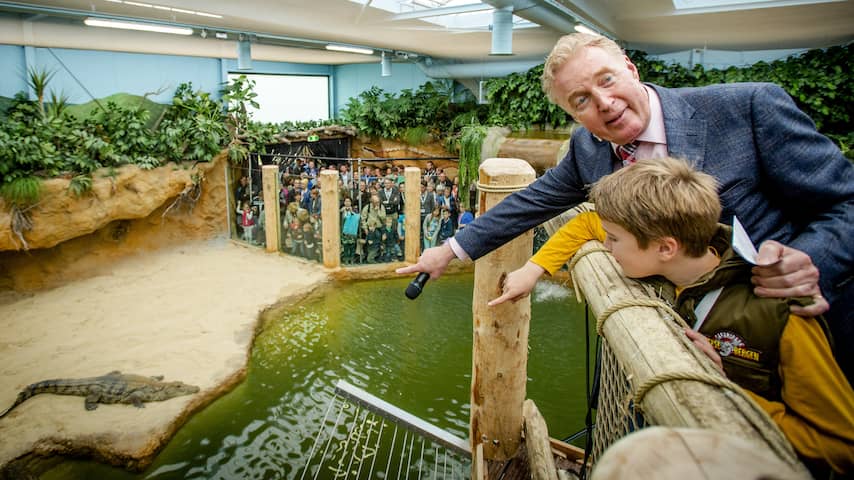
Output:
(668, 247)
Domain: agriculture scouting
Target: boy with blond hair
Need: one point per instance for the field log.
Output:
(659, 218)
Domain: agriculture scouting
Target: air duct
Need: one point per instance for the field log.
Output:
(502, 31)
(479, 70)
(244, 54)
(385, 64)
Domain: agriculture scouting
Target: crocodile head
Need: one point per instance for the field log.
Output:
(165, 390)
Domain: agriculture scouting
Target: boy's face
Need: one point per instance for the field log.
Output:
(636, 262)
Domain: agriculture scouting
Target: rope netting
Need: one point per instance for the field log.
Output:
(620, 407)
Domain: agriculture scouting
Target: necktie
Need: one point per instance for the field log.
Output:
(627, 153)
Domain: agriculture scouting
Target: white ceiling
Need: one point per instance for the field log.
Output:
(652, 25)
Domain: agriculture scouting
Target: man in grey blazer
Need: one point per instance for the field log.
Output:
(790, 186)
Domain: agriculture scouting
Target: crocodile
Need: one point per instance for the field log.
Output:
(114, 387)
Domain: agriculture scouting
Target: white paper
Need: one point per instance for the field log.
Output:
(741, 242)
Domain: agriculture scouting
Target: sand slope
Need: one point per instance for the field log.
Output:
(188, 313)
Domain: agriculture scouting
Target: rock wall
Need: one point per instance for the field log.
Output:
(73, 238)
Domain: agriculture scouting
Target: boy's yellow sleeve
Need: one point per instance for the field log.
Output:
(817, 412)
(565, 242)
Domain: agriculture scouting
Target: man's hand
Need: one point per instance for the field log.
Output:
(433, 261)
(700, 341)
(786, 272)
(519, 283)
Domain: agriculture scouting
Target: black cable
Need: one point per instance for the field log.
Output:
(588, 418)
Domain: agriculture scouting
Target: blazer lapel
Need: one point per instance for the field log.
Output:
(684, 127)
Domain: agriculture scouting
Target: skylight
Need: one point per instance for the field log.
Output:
(449, 14)
(728, 5)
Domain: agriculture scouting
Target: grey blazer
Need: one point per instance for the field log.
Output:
(783, 179)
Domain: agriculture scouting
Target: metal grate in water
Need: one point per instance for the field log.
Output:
(362, 436)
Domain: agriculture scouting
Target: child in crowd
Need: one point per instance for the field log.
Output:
(446, 226)
(391, 250)
(247, 221)
(296, 238)
(430, 228)
(349, 231)
(373, 241)
(308, 241)
(659, 217)
(466, 216)
(401, 235)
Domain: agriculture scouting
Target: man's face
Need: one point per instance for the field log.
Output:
(388, 184)
(635, 261)
(603, 92)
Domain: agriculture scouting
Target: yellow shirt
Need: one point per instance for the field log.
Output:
(817, 411)
(566, 241)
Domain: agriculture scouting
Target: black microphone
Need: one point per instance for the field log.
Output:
(414, 288)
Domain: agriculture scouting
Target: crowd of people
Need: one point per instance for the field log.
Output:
(371, 204)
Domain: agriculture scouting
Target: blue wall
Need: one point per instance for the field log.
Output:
(104, 73)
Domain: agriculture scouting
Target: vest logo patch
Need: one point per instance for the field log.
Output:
(728, 343)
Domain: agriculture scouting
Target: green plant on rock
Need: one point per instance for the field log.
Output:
(80, 185)
(192, 129)
(37, 80)
(238, 96)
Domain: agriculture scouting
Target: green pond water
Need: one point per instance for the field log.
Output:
(415, 355)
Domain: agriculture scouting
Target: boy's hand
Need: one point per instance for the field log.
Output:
(519, 283)
(787, 272)
(700, 341)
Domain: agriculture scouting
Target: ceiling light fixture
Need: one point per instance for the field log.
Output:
(145, 27)
(585, 29)
(221, 35)
(348, 49)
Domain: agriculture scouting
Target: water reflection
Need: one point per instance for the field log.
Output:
(415, 355)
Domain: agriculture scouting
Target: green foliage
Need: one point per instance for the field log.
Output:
(22, 191)
(376, 113)
(517, 101)
(80, 185)
(818, 80)
(47, 140)
(417, 135)
(37, 79)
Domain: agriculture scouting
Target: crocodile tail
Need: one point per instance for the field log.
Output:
(45, 386)
(22, 397)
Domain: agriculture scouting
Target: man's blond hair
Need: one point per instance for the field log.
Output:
(663, 197)
(564, 48)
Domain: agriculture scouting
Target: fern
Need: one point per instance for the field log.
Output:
(80, 185)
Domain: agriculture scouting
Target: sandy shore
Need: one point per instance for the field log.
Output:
(188, 313)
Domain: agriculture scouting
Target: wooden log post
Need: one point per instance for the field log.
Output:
(270, 181)
(331, 218)
(541, 462)
(500, 351)
(412, 210)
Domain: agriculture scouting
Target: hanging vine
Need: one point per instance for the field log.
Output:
(471, 142)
